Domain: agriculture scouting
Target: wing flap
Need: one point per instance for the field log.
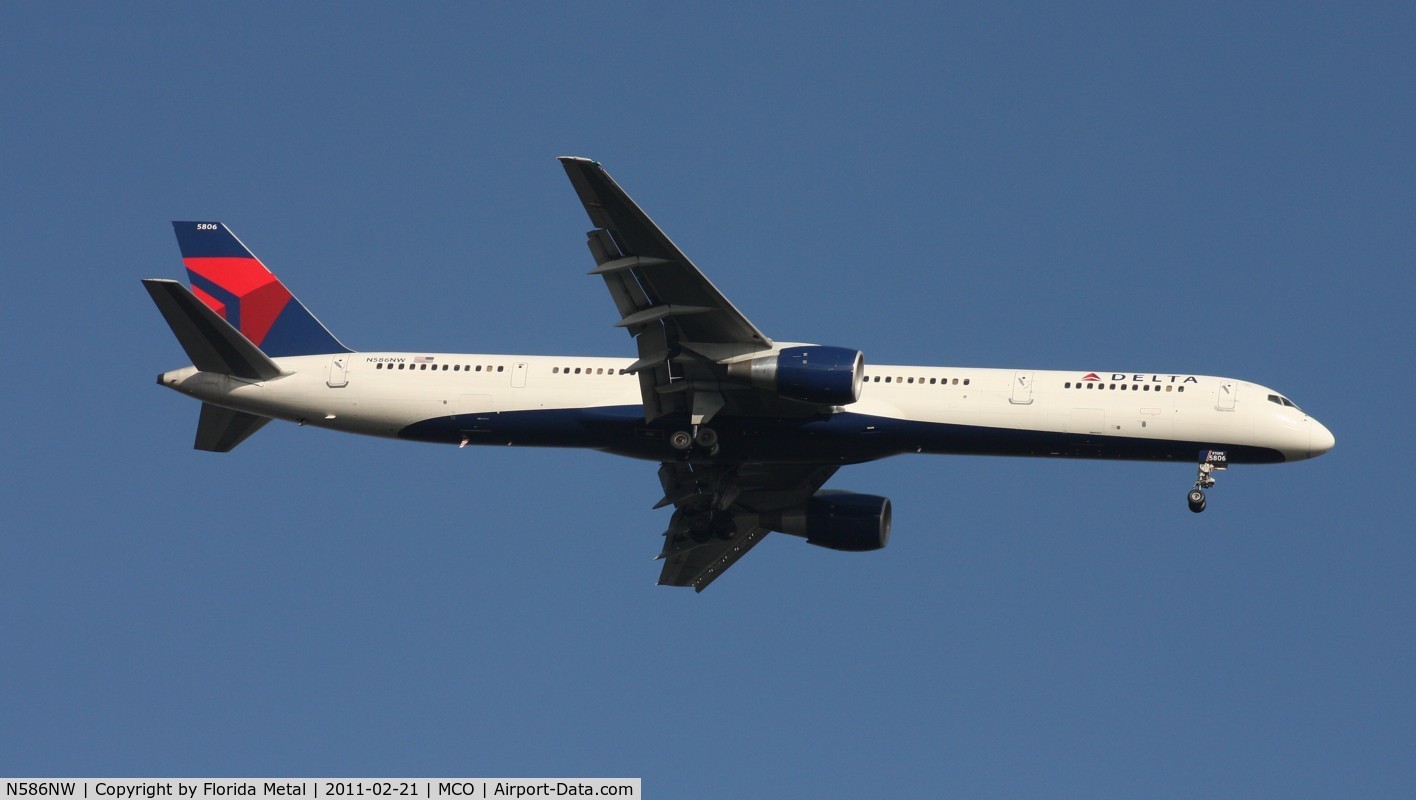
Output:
(699, 566)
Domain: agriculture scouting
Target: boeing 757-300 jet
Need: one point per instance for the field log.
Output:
(746, 429)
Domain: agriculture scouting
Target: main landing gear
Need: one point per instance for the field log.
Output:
(705, 438)
(705, 524)
(1210, 461)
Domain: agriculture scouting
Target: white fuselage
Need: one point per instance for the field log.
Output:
(592, 402)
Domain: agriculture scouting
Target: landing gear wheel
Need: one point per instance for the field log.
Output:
(707, 438)
(700, 527)
(680, 440)
(1196, 500)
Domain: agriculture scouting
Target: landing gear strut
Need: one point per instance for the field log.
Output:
(1210, 460)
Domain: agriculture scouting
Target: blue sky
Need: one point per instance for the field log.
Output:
(1224, 189)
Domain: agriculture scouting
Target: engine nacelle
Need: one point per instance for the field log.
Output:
(828, 376)
(837, 520)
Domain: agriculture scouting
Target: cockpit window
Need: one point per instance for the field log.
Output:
(1283, 401)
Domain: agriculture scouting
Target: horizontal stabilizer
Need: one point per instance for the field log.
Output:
(210, 341)
(219, 429)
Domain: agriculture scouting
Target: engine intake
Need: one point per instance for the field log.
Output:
(829, 376)
(837, 520)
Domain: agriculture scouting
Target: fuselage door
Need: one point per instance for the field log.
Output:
(518, 375)
(338, 371)
(1228, 394)
(1022, 388)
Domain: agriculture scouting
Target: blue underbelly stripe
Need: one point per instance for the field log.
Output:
(841, 438)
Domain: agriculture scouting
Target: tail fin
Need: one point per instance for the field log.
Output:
(239, 288)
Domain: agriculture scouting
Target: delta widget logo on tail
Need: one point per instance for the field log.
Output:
(238, 287)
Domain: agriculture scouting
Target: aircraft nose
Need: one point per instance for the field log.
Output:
(1320, 439)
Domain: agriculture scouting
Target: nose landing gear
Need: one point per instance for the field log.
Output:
(1210, 461)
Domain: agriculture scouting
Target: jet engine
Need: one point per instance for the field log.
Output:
(828, 376)
(837, 520)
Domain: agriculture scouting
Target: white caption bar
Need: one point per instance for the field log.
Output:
(311, 788)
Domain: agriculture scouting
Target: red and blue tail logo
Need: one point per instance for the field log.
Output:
(236, 285)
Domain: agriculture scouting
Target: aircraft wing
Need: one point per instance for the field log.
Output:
(717, 511)
(682, 324)
(686, 332)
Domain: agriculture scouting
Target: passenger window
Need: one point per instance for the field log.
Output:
(499, 369)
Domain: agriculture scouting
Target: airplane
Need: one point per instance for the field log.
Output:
(746, 429)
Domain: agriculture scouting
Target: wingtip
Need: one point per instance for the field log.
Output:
(577, 160)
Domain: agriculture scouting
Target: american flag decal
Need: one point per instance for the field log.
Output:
(423, 360)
